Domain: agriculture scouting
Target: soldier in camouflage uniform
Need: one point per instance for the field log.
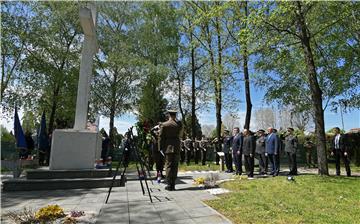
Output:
(204, 145)
(188, 149)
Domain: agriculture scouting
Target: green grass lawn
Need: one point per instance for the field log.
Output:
(210, 166)
(310, 199)
(354, 169)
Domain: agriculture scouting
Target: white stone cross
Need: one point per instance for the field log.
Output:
(89, 49)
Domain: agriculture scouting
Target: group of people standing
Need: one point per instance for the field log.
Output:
(194, 149)
(266, 147)
(168, 150)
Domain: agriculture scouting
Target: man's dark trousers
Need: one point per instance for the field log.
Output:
(272, 158)
(249, 165)
(228, 162)
(238, 162)
(345, 159)
(292, 163)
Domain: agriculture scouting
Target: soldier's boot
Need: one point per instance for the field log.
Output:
(170, 186)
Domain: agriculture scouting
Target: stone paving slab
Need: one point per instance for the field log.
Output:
(126, 204)
(181, 206)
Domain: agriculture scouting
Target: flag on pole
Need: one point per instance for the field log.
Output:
(19, 133)
(43, 140)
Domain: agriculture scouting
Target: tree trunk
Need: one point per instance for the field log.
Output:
(193, 97)
(111, 129)
(316, 93)
(218, 87)
(179, 101)
(53, 108)
(246, 77)
(112, 113)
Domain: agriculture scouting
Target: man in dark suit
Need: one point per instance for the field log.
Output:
(237, 142)
(271, 150)
(169, 141)
(339, 150)
(249, 151)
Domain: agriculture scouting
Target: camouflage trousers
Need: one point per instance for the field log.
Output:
(171, 166)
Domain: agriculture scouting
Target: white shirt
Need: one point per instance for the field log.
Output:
(337, 140)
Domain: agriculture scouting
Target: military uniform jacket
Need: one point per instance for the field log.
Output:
(169, 137)
(187, 144)
(196, 145)
(291, 144)
(248, 145)
(227, 144)
(260, 145)
(308, 145)
(204, 144)
(182, 148)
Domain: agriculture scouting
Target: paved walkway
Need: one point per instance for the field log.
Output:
(126, 204)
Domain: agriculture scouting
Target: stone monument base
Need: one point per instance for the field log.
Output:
(74, 149)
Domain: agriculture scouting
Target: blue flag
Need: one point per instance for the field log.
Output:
(43, 137)
(19, 134)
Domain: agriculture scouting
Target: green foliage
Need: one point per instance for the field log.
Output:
(281, 60)
(29, 122)
(50, 60)
(197, 127)
(117, 66)
(13, 29)
(157, 46)
(152, 105)
(195, 167)
(6, 136)
(310, 199)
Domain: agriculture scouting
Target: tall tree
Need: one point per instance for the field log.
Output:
(297, 41)
(214, 41)
(117, 68)
(14, 25)
(239, 31)
(157, 45)
(50, 59)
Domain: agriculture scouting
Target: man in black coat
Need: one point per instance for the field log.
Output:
(339, 150)
(237, 141)
(249, 151)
